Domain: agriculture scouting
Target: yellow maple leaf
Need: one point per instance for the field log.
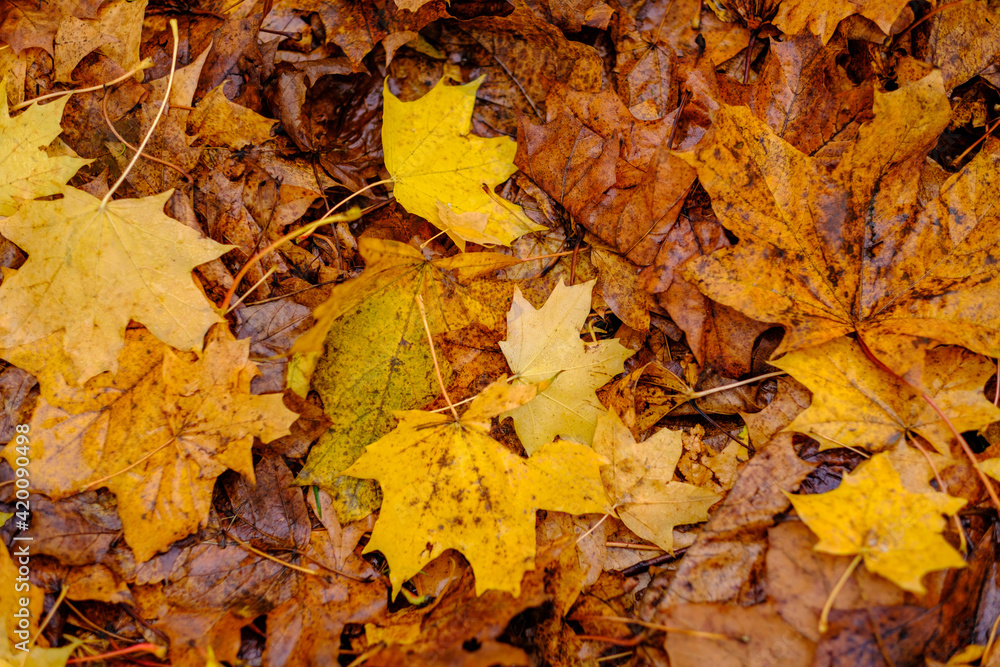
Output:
(157, 434)
(448, 485)
(91, 268)
(438, 164)
(640, 481)
(544, 345)
(375, 356)
(896, 532)
(857, 404)
(26, 172)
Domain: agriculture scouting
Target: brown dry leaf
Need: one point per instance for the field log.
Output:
(640, 481)
(962, 42)
(157, 435)
(217, 120)
(721, 565)
(720, 337)
(792, 398)
(803, 95)
(758, 635)
(856, 404)
(618, 285)
(823, 254)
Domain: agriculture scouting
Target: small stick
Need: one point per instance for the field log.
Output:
(632, 545)
(715, 390)
(434, 356)
(989, 130)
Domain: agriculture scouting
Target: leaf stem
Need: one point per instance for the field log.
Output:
(715, 390)
(145, 64)
(825, 614)
(352, 196)
(961, 441)
(159, 114)
(268, 556)
(658, 626)
(434, 356)
(48, 617)
(305, 230)
(155, 649)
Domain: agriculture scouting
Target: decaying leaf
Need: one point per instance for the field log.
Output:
(157, 434)
(216, 119)
(857, 404)
(544, 346)
(92, 267)
(438, 164)
(640, 481)
(896, 532)
(826, 254)
(448, 485)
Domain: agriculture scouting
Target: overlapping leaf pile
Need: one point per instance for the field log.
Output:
(655, 312)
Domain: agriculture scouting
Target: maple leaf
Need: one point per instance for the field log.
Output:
(896, 532)
(448, 485)
(825, 253)
(27, 172)
(640, 481)
(157, 434)
(544, 345)
(216, 119)
(376, 358)
(857, 404)
(93, 267)
(435, 161)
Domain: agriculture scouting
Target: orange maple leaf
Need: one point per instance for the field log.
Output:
(826, 254)
(157, 434)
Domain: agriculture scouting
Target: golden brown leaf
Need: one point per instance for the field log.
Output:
(157, 434)
(826, 254)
